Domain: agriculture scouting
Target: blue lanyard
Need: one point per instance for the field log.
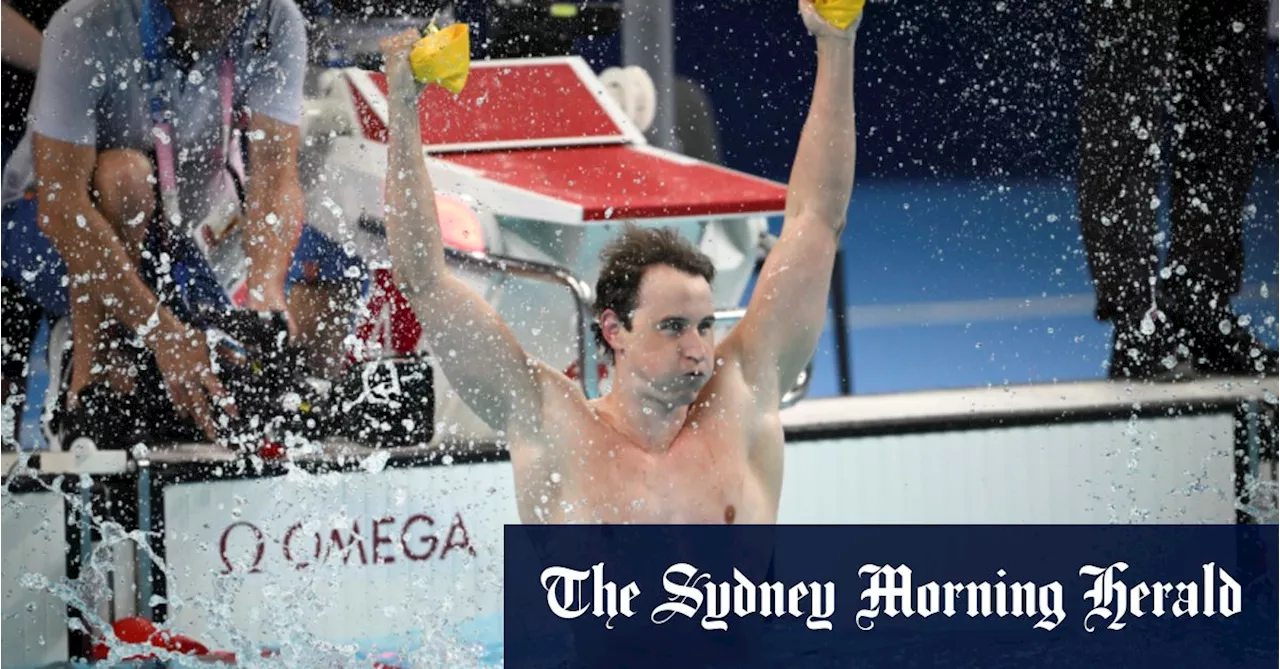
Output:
(154, 52)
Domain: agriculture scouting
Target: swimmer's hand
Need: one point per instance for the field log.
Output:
(415, 60)
(395, 57)
(837, 12)
(443, 57)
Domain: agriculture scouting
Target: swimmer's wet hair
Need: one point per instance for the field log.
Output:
(626, 258)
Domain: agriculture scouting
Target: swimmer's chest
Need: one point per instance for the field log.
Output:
(705, 477)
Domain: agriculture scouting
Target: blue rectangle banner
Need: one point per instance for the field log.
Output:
(918, 596)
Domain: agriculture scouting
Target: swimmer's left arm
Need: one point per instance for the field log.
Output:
(784, 320)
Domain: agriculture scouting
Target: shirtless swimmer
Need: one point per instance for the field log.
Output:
(690, 430)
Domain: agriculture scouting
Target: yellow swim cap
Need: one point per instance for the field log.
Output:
(443, 57)
(839, 13)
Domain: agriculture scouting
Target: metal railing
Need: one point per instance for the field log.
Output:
(582, 293)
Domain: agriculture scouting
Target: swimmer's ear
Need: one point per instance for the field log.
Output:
(611, 328)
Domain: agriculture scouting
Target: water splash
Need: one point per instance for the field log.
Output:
(285, 608)
(1260, 501)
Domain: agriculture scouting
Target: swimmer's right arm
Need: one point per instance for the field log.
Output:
(476, 350)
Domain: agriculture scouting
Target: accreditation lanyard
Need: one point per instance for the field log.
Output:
(162, 134)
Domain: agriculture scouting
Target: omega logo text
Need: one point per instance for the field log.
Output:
(244, 546)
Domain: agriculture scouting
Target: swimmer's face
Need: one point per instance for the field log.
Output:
(669, 349)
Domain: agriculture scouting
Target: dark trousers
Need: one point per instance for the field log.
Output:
(1169, 84)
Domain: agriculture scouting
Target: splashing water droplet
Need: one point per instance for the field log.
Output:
(1263, 503)
(376, 462)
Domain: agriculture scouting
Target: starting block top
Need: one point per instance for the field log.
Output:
(507, 104)
(546, 127)
(629, 182)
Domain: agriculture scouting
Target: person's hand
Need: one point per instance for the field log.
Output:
(395, 58)
(182, 354)
(821, 29)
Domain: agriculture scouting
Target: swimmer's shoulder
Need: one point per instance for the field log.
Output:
(561, 403)
(555, 384)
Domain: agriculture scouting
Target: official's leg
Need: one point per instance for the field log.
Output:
(1119, 166)
(1220, 65)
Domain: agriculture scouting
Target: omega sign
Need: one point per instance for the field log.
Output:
(385, 540)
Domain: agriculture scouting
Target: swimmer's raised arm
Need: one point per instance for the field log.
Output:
(780, 331)
(477, 351)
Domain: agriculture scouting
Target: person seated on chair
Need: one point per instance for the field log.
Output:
(131, 146)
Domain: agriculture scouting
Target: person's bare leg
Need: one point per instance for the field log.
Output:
(123, 194)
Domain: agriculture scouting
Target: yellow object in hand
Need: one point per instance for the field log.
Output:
(443, 57)
(839, 13)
